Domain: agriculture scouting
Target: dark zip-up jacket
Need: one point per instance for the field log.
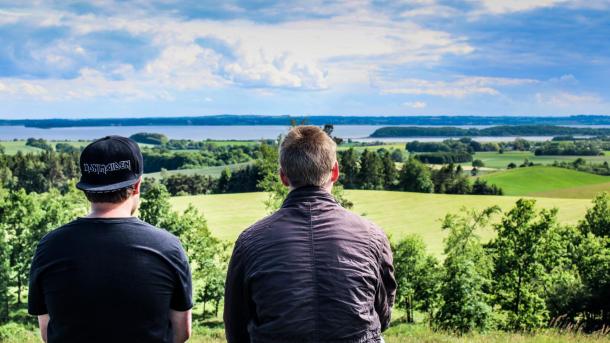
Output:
(310, 272)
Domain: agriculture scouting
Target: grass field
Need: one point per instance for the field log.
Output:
(549, 182)
(211, 171)
(398, 213)
(500, 161)
(11, 147)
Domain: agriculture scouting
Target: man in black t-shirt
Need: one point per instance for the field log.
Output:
(110, 277)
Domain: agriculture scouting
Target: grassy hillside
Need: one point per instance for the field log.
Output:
(398, 213)
(540, 179)
(497, 160)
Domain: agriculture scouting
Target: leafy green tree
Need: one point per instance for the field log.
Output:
(417, 275)
(5, 253)
(224, 181)
(564, 290)
(518, 285)
(594, 262)
(398, 155)
(371, 175)
(349, 168)
(415, 177)
(465, 300)
(155, 208)
(390, 174)
(478, 163)
(597, 219)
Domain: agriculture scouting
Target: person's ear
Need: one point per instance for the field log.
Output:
(136, 187)
(334, 172)
(284, 178)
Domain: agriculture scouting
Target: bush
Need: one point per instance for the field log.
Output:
(444, 157)
(149, 138)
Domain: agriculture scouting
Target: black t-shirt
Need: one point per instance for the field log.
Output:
(109, 280)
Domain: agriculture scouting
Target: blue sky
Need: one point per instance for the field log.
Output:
(106, 58)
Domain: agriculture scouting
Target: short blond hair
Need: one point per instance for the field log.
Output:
(307, 156)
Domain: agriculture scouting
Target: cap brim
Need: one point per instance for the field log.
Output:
(105, 188)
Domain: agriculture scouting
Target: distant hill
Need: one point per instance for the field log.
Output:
(494, 131)
(227, 119)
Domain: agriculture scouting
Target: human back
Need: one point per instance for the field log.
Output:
(110, 277)
(312, 271)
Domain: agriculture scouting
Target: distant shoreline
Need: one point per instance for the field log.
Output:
(255, 120)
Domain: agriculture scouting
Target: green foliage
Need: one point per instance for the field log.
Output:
(24, 219)
(415, 177)
(478, 163)
(464, 291)
(444, 157)
(518, 286)
(371, 175)
(451, 179)
(39, 143)
(390, 174)
(349, 167)
(418, 277)
(150, 138)
(597, 219)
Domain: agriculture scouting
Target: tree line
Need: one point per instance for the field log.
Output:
(536, 273)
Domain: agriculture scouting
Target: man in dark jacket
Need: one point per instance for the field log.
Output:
(312, 271)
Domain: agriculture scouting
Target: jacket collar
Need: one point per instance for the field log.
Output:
(308, 194)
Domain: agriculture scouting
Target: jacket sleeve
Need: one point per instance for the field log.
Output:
(236, 307)
(384, 299)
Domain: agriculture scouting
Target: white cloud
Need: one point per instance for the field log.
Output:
(457, 88)
(566, 99)
(302, 54)
(415, 104)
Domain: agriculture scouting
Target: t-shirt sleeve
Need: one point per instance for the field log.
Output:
(36, 302)
(182, 297)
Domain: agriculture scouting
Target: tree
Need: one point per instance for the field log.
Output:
(465, 300)
(417, 275)
(224, 180)
(516, 249)
(348, 164)
(398, 155)
(478, 163)
(415, 177)
(390, 174)
(5, 253)
(594, 262)
(371, 171)
(268, 167)
(597, 219)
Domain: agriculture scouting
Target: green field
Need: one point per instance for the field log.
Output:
(357, 147)
(398, 213)
(497, 160)
(11, 147)
(548, 181)
(211, 171)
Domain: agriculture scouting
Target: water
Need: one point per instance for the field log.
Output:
(355, 132)
(175, 132)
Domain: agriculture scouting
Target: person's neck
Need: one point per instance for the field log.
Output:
(328, 188)
(110, 210)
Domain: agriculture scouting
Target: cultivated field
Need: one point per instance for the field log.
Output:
(549, 182)
(398, 213)
(500, 161)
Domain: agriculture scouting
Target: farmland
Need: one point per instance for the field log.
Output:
(548, 181)
(398, 213)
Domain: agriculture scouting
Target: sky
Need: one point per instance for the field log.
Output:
(105, 58)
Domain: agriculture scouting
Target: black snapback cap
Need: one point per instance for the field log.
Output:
(109, 164)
